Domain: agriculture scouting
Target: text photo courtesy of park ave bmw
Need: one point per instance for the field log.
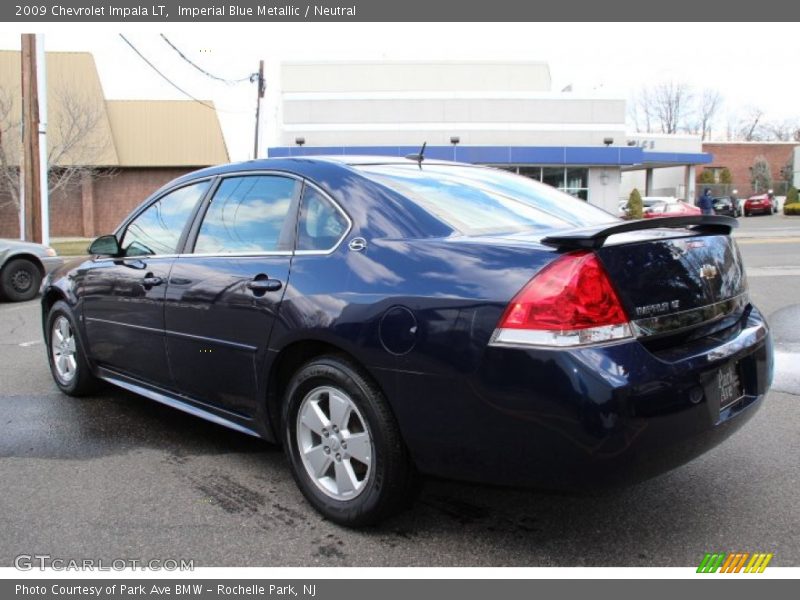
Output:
(286, 294)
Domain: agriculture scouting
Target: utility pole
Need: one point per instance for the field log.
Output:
(41, 130)
(259, 96)
(30, 140)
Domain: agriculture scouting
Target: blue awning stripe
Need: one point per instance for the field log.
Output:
(511, 155)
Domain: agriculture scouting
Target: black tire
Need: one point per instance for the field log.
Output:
(20, 280)
(391, 480)
(82, 382)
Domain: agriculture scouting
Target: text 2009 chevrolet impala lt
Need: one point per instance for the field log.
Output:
(387, 317)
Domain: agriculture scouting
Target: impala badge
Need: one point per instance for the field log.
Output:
(708, 271)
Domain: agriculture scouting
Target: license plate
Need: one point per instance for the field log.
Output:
(727, 385)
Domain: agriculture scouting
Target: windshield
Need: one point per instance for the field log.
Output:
(477, 200)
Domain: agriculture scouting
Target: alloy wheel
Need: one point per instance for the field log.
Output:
(334, 443)
(63, 349)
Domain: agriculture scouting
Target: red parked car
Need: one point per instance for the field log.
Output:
(667, 206)
(760, 204)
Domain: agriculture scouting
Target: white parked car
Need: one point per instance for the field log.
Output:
(23, 265)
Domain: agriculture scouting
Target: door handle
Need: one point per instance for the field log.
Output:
(264, 285)
(150, 280)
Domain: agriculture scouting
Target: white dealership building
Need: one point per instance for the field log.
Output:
(503, 114)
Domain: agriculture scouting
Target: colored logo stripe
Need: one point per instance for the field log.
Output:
(758, 563)
(734, 562)
(711, 562)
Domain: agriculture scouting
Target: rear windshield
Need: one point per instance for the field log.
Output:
(477, 200)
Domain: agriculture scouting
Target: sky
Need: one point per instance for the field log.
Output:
(607, 59)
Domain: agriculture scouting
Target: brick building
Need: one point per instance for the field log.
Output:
(739, 157)
(132, 146)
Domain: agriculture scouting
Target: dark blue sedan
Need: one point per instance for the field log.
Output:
(385, 318)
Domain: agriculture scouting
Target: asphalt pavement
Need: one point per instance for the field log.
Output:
(118, 476)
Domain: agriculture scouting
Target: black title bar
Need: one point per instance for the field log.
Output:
(187, 11)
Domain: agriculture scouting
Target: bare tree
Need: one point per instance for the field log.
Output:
(669, 105)
(665, 107)
(749, 128)
(75, 144)
(10, 150)
(638, 111)
(760, 175)
(708, 106)
(787, 130)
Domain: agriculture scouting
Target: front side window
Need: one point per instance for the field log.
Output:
(248, 215)
(321, 225)
(158, 229)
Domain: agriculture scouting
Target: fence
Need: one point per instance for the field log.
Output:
(779, 188)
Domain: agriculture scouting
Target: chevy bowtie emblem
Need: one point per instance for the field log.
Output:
(708, 271)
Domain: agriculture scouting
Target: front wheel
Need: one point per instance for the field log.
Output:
(20, 280)
(344, 445)
(68, 363)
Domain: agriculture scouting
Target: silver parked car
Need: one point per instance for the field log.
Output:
(23, 265)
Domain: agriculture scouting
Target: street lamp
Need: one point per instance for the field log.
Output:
(455, 140)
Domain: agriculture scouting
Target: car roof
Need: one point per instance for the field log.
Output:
(20, 244)
(309, 165)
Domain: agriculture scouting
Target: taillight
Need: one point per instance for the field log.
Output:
(568, 303)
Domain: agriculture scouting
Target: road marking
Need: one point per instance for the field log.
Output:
(788, 271)
(29, 344)
(786, 372)
(767, 240)
(16, 308)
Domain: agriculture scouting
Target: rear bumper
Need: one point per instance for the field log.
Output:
(581, 418)
(51, 263)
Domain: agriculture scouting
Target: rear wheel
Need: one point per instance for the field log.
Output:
(20, 280)
(65, 354)
(344, 445)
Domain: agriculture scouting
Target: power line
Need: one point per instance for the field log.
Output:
(201, 69)
(167, 79)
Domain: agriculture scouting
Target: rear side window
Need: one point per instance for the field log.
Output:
(321, 224)
(248, 215)
(158, 228)
(474, 200)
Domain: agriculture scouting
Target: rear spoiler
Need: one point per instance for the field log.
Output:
(595, 237)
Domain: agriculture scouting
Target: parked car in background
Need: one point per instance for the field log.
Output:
(382, 317)
(760, 204)
(666, 206)
(22, 267)
(725, 205)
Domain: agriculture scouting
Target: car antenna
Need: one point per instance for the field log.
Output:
(420, 156)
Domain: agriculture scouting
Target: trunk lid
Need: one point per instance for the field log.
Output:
(677, 283)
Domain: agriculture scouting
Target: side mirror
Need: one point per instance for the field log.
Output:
(105, 245)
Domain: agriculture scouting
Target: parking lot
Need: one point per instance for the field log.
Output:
(118, 476)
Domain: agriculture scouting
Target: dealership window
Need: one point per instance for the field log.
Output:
(576, 182)
(572, 180)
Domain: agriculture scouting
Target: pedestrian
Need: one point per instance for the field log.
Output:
(706, 203)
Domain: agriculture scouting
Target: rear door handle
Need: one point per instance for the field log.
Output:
(150, 280)
(264, 285)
